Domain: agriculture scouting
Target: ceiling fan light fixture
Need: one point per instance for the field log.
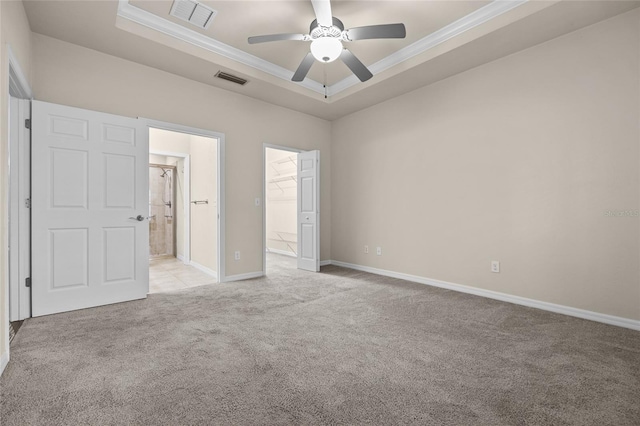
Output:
(326, 49)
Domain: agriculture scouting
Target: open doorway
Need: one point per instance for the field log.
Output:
(280, 208)
(184, 236)
(162, 206)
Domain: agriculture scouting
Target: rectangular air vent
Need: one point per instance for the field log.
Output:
(232, 78)
(193, 12)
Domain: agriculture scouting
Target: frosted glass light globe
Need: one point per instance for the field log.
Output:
(326, 49)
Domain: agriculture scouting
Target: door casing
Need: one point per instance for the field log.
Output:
(18, 86)
(220, 184)
(19, 210)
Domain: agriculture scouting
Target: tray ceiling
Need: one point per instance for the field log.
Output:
(443, 38)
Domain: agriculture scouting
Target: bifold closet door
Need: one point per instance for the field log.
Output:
(309, 211)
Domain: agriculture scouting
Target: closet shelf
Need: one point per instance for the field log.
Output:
(284, 179)
(286, 238)
(289, 171)
(292, 158)
(277, 199)
(281, 240)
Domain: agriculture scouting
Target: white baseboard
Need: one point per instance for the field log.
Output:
(180, 257)
(532, 303)
(241, 277)
(204, 269)
(325, 262)
(4, 360)
(282, 252)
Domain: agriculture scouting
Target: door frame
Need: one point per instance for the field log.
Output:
(19, 214)
(186, 201)
(17, 87)
(264, 195)
(163, 125)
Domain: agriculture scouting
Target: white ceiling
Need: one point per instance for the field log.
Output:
(443, 38)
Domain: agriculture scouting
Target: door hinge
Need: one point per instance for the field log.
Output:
(27, 123)
(27, 203)
(27, 282)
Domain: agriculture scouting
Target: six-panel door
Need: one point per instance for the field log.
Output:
(309, 211)
(89, 183)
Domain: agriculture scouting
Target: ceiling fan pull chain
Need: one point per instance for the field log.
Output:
(324, 83)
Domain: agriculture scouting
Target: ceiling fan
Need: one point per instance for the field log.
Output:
(327, 34)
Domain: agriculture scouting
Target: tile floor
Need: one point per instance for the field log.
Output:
(166, 273)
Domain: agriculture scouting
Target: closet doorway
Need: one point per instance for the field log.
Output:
(280, 208)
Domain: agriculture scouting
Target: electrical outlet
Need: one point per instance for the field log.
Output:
(379, 251)
(366, 249)
(236, 255)
(495, 266)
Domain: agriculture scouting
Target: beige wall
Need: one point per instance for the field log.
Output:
(80, 77)
(204, 232)
(14, 32)
(157, 159)
(515, 161)
(281, 201)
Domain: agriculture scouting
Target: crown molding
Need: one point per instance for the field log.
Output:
(149, 20)
(466, 23)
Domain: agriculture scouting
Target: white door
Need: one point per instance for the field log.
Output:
(89, 205)
(19, 213)
(309, 211)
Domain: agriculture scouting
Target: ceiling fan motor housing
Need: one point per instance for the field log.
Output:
(317, 31)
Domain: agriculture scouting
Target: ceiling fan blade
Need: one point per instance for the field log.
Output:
(377, 31)
(323, 12)
(303, 68)
(275, 37)
(355, 65)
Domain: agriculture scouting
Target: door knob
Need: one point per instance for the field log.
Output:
(139, 218)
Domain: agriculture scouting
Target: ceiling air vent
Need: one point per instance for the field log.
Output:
(232, 78)
(193, 12)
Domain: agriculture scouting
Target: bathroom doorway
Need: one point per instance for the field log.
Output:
(184, 211)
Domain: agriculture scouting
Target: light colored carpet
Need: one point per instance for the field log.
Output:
(337, 347)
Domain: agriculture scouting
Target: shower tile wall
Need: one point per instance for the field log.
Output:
(161, 227)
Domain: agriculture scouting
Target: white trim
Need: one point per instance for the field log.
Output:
(264, 196)
(326, 262)
(4, 361)
(19, 216)
(204, 269)
(240, 277)
(282, 252)
(181, 258)
(18, 83)
(464, 24)
(186, 249)
(545, 306)
(149, 20)
(221, 180)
